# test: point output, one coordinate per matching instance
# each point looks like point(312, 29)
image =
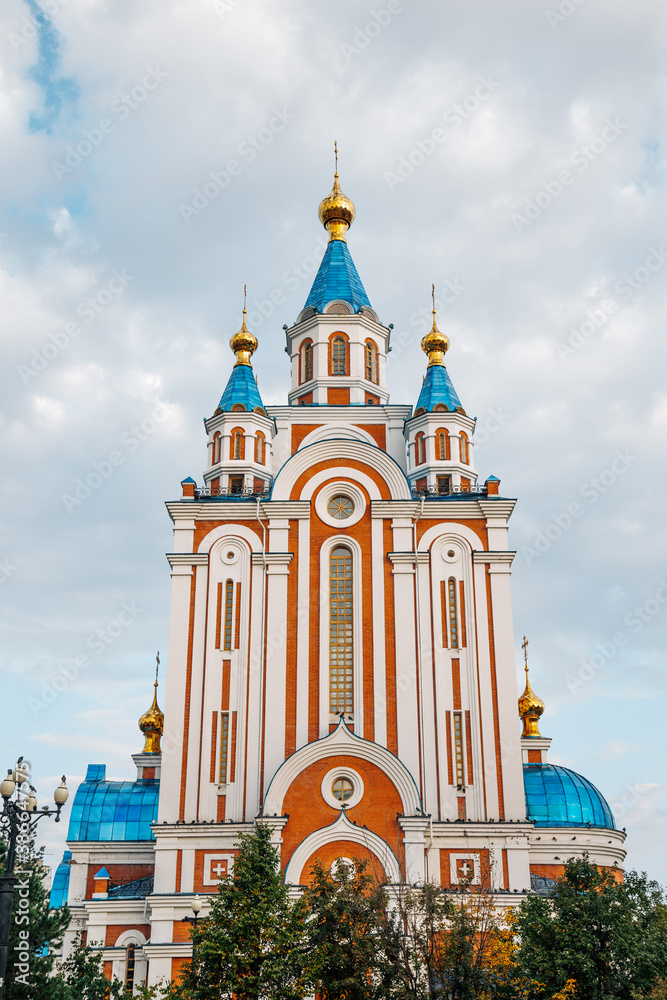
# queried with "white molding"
point(187, 558)
point(493, 558)
point(335, 488)
point(308, 459)
point(353, 777)
point(342, 742)
point(342, 829)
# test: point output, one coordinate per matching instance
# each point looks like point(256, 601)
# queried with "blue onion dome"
point(556, 796)
point(113, 810)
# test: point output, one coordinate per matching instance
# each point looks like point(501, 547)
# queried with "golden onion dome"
point(530, 706)
point(336, 211)
point(435, 344)
point(151, 723)
point(243, 343)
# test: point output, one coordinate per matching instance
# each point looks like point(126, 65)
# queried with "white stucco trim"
point(338, 451)
point(345, 743)
point(342, 829)
point(231, 530)
point(337, 430)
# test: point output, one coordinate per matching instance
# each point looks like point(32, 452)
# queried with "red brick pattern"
point(119, 875)
point(443, 611)
point(390, 642)
point(226, 681)
point(484, 865)
point(328, 854)
point(188, 694)
point(214, 745)
point(292, 641)
point(461, 807)
point(456, 683)
point(494, 691)
point(114, 931)
point(534, 756)
point(377, 431)
point(338, 397)
point(218, 617)
point(300, 431)
point(506, 871)
point(462, 611)
point(237, 629)
point(450, 763)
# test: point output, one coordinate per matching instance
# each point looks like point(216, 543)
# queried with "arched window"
point(260, 444)
point(420, 449)
point(307, 362)
point(371, 361)
point(237, 444)
point(444, 453)
point(130, 962)
point(339, 356)
point(464, 448)
point(341, 679)
point(453, 617)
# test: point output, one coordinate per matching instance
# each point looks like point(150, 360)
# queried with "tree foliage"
point(251, 945)
point(609, 937)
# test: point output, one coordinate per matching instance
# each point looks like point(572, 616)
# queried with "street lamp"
point(19, 816)
point(195, 906)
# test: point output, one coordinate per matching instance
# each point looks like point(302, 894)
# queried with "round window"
point(340, 507)
point(342, 789)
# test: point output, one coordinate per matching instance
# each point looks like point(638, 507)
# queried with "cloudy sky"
point(158, 155)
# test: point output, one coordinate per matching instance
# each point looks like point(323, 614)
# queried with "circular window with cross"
point(340, 507)
point(342, 788)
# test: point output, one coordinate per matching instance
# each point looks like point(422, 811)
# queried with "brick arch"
point(338, 455)
point(339, 833)
point(330, 852)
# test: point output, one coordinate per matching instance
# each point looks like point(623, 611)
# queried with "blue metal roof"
point(437, 388)
point(60, 884)
point(113, 810)
point(336, 279)
point(241, 388)
point(556, 796)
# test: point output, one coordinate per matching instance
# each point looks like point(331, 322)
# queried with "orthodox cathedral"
point(341, 656)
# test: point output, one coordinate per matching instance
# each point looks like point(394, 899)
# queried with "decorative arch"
point(339, 353)
point(236, 532)
point(342, 742)
point(309, 458)
point(347, 431)
point(342, 829)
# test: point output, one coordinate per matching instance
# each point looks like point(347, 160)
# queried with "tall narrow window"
point(443, 446)
point(458, 748)
point(229, 600)
point(371, 361)
point(307, 362)
point(453, 617)
point(217, 440)
point(420, 449)
point(259, 448)
point(464, 448)
point(341, 681)
point(224, 746)
point(129, 967)
point(338, 356)
point(237, 444)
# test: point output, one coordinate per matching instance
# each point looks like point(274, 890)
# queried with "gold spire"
point(243, 343)
point(435, 343)
point(151, 722)
point(530, 706)
point(336, 211)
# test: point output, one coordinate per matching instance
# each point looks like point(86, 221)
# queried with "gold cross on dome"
point(524, 646)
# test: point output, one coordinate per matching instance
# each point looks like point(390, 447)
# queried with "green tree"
point(347, 934)
point(81, 977)
point(252, 943)
point(609, 937)
point(33, 927)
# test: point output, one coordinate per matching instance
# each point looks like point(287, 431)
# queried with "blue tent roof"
point(437, 388)
point(337, 278)
point(113, 810)
point(241, 388)
point(556, 796)
point(60, 884)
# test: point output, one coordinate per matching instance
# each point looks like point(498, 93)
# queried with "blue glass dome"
point(113, 810)
point(60, 884)
point(556, 796)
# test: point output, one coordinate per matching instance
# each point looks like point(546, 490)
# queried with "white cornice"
point(308, 414)
point(497, 507)
point(495, 558)
point(187, 558)
point(401, 558)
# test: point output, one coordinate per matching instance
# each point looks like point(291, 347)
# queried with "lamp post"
point(195, 906)
point(18, 818)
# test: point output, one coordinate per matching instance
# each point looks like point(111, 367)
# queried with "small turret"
point(151, 722)
point(530, 706)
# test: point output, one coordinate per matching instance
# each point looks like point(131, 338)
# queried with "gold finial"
point(336, 211)
point(530, 706)
point(151, 722)
point(243, 343)
point(435, 343)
